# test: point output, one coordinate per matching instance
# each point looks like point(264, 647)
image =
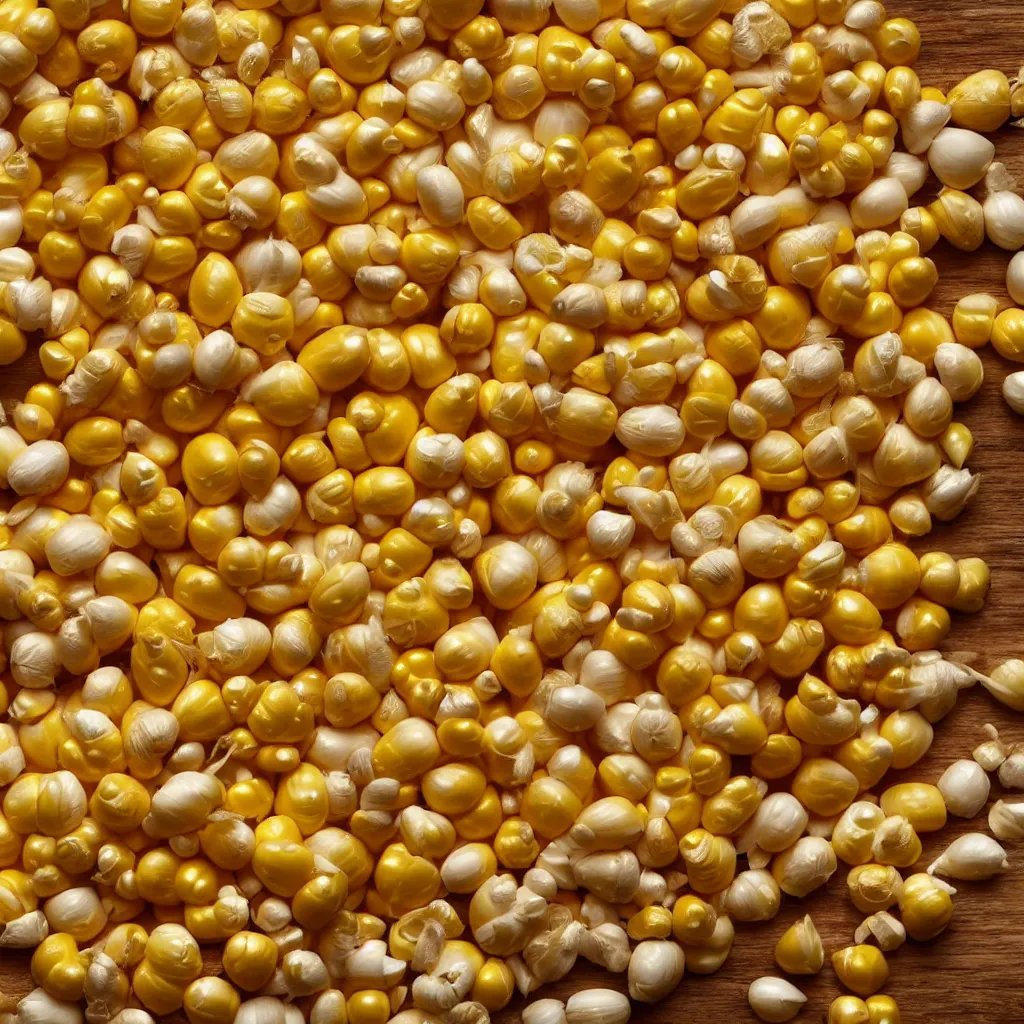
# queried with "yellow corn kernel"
point(920, 803)
point(824, 786)
point(926, 907)
point(249, 959)
point(710, 860)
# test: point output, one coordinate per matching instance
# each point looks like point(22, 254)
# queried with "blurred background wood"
point(974, 973)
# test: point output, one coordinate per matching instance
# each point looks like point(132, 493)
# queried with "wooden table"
point(974, 973)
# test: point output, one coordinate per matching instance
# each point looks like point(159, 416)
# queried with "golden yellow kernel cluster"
point(462, 527)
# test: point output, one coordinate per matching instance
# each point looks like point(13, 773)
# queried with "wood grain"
point(974, 973)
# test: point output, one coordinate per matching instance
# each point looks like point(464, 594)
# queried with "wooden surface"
point(974, 973)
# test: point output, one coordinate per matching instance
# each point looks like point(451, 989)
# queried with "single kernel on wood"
point(475, 453)
point(775, 999)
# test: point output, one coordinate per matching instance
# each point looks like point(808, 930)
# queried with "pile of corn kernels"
point(460, 527)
